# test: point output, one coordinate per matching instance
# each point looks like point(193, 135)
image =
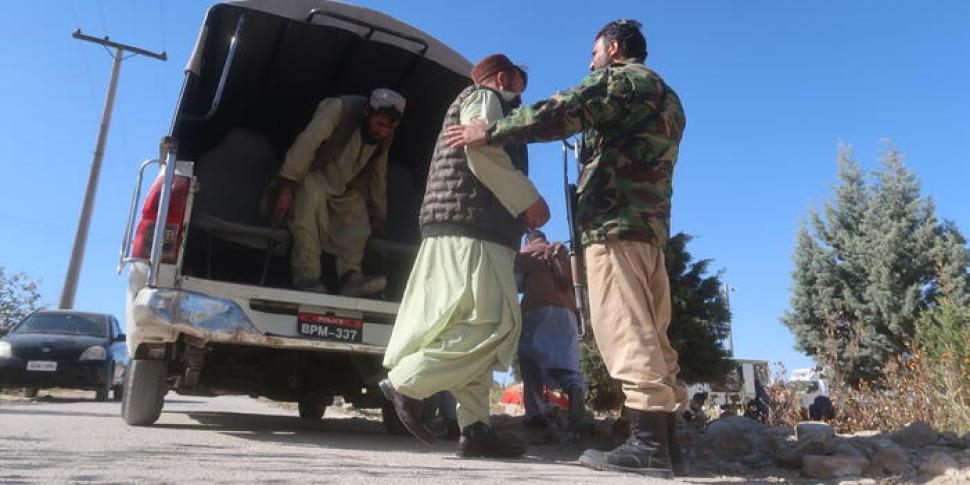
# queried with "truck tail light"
point(174, 222)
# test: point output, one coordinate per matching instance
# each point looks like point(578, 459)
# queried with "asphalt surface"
point(240, 440)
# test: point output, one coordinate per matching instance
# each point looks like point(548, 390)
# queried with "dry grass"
point(930, 382)
point(920, 387)
point(784, 404)
point(917, 388)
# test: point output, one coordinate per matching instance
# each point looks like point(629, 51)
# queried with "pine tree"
point(867, 269)
point(699, 323)
point(951, 259)
point(700, 316)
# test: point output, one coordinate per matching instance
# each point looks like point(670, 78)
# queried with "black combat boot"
point(677, 462)
point(645, 452)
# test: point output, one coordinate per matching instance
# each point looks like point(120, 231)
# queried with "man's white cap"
point(386, 98)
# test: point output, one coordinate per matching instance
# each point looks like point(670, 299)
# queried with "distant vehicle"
point(808, 385)
point(210, 305)
point(737, 388)
point(64, 348)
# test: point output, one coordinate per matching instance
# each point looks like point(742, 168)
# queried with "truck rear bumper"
point(161, 315)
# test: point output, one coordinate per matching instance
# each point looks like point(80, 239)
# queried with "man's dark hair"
point(627, 34)
point(536, 234)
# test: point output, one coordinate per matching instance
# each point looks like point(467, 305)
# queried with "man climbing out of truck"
point(459, 319)
point(332, 188)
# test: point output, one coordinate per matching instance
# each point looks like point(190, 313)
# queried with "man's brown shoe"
point(409, 411)
point(480, 440)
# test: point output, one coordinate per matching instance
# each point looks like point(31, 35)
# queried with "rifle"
point(575, 243)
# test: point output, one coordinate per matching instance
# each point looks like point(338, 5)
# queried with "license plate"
point(42, 365)
point(329, 327)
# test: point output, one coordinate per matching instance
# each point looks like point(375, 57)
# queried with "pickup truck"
point(211, 310)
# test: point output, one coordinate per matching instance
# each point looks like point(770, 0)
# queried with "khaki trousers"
point(629, 298)
point(337, 224)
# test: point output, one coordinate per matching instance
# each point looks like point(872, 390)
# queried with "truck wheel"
point(30, 392)
point(117, 392)
point(392, 423)
point(144, 392)
point(311, 409)
point(312, 405)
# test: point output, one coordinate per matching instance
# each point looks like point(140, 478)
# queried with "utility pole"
point(84, 223)
point(726, 290)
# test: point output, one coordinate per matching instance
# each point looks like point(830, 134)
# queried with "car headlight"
point(6, 350)
point(94, 353)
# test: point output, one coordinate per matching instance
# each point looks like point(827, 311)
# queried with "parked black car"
point(64, 348)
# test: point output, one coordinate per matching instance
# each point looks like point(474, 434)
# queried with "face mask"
point(513, 99)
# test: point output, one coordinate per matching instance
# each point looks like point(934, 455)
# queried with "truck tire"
point(392, 423)
point(313, 404)
point(311, 408)
point(144, 392)
point(30, 392)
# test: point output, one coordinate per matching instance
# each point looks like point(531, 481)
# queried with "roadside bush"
point(930, 382)
point(784, 407)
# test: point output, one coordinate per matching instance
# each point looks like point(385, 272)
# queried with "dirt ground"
point(555, 447)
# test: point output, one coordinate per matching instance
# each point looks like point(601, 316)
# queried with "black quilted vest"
point(456, 203)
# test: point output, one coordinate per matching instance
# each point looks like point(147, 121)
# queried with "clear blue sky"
point(770, 89)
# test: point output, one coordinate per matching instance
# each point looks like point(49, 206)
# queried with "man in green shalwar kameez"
point(459, 319)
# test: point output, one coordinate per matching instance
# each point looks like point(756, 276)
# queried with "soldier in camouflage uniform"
point(632, 124)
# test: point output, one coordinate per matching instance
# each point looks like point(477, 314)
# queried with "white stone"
point(863, 481)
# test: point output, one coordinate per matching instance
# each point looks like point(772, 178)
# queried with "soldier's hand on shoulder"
point(473, 135)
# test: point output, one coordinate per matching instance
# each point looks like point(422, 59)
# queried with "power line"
point(104, 24)
point(77, 21)
point(161, 21)
point(84, 54)
point(160, 80)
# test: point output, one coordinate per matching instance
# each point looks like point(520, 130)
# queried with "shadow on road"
point(347, 433)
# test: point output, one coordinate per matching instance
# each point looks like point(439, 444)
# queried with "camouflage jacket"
point(632, 123)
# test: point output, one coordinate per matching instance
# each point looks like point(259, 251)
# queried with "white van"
point(212, 311)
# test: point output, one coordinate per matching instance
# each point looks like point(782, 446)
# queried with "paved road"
point(241, 440)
